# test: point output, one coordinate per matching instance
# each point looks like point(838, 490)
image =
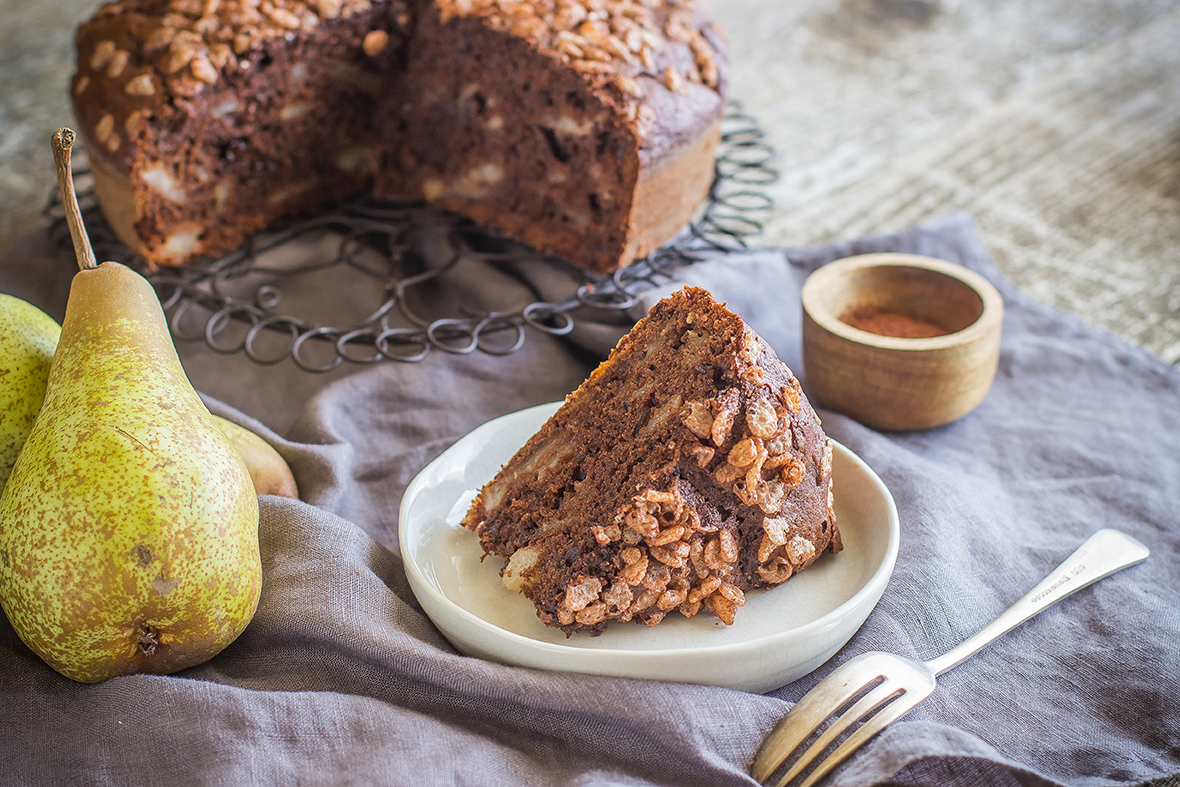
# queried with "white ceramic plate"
point(780, 634)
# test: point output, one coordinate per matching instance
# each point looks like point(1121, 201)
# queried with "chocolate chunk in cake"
point(688, 469)
point(584, 128)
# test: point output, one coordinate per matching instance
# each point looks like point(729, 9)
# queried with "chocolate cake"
point(688, 469)
point(585, 128)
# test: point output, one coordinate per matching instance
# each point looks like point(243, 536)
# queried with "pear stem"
point(63, 141)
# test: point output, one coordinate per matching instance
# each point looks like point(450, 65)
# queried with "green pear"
point(129, 525)
point(269, 471)
point(28, 337)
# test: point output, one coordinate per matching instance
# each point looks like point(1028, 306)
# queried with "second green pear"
point(129, 525)
point(28, 337)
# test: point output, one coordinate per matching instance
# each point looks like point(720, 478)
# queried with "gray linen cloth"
point(341, 679)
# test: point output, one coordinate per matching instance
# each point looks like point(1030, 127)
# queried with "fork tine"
point(891, 713)
point(879, 694)
point(809, 712)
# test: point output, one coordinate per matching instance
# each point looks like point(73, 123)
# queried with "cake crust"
point(688, 469)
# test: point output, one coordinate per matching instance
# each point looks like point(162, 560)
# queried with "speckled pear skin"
point(28, 337)
point(129, 526)
point(269, 471)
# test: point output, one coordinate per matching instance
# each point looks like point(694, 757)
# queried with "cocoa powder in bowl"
point(890, 323)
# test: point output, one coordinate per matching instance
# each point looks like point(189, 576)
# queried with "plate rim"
point(874, 585)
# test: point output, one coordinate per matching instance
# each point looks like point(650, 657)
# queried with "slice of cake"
point(686, 470)
point(586, 129)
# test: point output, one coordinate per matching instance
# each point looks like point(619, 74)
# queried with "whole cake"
point(585, 128)
point(687, 469)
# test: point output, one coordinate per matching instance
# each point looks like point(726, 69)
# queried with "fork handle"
point(1104, 553)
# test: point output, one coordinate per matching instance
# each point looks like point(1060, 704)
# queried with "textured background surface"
point(1057, 124)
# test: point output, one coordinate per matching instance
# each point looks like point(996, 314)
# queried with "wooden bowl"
point(900, 382)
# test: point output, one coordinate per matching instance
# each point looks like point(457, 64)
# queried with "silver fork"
point(875, 689)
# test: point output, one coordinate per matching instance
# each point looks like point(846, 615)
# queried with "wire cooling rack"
point(221, 302)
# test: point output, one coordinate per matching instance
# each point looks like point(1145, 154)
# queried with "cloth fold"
point(341, 678)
